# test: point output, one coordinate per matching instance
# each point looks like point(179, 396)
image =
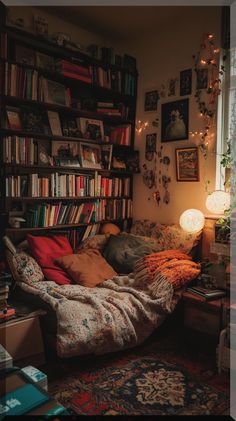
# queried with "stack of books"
point(6, 312)
point(108, 108)
point(36, 376)
point(5, 358)
point(208, 293)
point(74, 71)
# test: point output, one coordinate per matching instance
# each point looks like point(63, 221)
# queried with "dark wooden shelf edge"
point(20, 133)
point(69, 198)
point(12, 230)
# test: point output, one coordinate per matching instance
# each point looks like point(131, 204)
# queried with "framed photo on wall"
point(151, 100)
point(185, 87)
point(174, 120)
point(187, 164)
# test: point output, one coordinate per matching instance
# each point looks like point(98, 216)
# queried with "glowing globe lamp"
point(218, 201)
point(192, 220)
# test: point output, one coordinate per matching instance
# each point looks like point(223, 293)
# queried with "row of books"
point(20, 150)
point(73, 71)
point(66, 185)
point(121, 135)
point(107, 56)
point(108, 108)
point(48, 215)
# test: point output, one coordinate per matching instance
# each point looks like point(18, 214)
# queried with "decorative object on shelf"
point(40, 26)
point(148, 177)
point(218, 202)
point(187, 164)
point(151, 100)
point(34, 121)
point(192, 220)
point(174, 120)
point(92, 129)
point(209, 78)
point(172, 87)
point(71, 127)
point(13, 118)
point(44, 61)
point(65, 153)
point(185, 82)
point(141, 125)
point(16, 221)
point(54, 93)
point(24, 55)
point(54, 122)
point(90, 155)
point(43, 157)
point(106, 156)
point(150, 148)
point(60, 38)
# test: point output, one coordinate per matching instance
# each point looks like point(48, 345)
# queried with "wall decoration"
point(163, 91)
point(185, 82)
point(206, 59)
point(132, 161)
point(202, 78)
point(155, 122)
point(151, 100)
point(148, 177)
point(172, 87)
point(187, 164)
point(150, 150)
point(174, 120)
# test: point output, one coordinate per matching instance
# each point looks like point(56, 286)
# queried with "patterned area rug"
point(157, 378)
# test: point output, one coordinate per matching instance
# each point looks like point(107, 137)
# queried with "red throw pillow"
point(45, 250)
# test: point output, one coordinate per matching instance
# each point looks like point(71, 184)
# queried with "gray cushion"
point(122, 251)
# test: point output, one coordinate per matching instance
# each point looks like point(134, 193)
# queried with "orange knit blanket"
point(172, 265)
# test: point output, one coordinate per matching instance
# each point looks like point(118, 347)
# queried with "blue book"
point(22, 400)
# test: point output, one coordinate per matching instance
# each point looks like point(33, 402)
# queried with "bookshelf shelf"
point(67, 198)
point(61, 227)
point(61, 108)
point(95, 94)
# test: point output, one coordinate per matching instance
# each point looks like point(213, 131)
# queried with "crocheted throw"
point(172, 265)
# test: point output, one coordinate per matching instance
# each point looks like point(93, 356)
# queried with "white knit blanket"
point(115, 315)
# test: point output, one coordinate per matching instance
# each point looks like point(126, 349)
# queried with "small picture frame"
point(54, 93)
point(64, 149)
point(185, 87)
point(151, 100)
point(174, 120)
point(13, 118)
point(90, 155)
point(92, 129)
point(187, 164)
point(54, 123)
point(43, 157)
point(202, 78)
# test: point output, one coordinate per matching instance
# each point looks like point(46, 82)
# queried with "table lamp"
point(218, 201)
point(192, 220)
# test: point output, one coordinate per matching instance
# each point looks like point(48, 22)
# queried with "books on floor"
point(207, 293)
point(5, 358)
point(37, 376)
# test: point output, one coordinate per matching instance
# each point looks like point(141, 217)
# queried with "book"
point(5, 358)
point(25, 398)
point(207, 293)
point(86, 213)
point(36, 376)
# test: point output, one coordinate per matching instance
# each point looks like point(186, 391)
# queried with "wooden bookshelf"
point(122, 94)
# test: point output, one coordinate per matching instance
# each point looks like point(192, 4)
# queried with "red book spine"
point(86, 79)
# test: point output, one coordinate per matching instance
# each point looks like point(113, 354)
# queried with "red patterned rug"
point(157, 378)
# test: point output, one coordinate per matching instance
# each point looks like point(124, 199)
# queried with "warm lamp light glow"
point(218, 201)
point(192, 220)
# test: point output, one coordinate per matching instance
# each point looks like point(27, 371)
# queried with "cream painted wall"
point(162, 55)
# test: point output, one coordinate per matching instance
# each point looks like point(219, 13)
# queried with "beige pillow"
point(88, 268)
point(24, 268)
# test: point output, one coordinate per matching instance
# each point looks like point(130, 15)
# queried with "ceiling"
point(118, 22)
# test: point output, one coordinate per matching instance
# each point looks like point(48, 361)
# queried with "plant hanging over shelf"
point(207, 58)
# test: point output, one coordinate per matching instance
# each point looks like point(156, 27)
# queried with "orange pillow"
point(87, 268)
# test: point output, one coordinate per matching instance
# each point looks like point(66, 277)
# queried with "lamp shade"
point(192, 220)
point(218, 201)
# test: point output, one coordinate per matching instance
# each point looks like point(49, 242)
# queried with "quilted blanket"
point(117, 314)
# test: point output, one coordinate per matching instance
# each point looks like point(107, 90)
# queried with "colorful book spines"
point(48, 215)
point(19, 150)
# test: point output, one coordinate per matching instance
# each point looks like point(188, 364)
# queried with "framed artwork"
point(151, 100)
point(13, 118)
point(185, 87)
point(150, 149)
point(187, 164)
point(106, 156)
point(174, 120)
point(54, 123)
point(92, 129)
point(64, 149)
point(90, 155)
point(53, 92)
point(202, 78)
